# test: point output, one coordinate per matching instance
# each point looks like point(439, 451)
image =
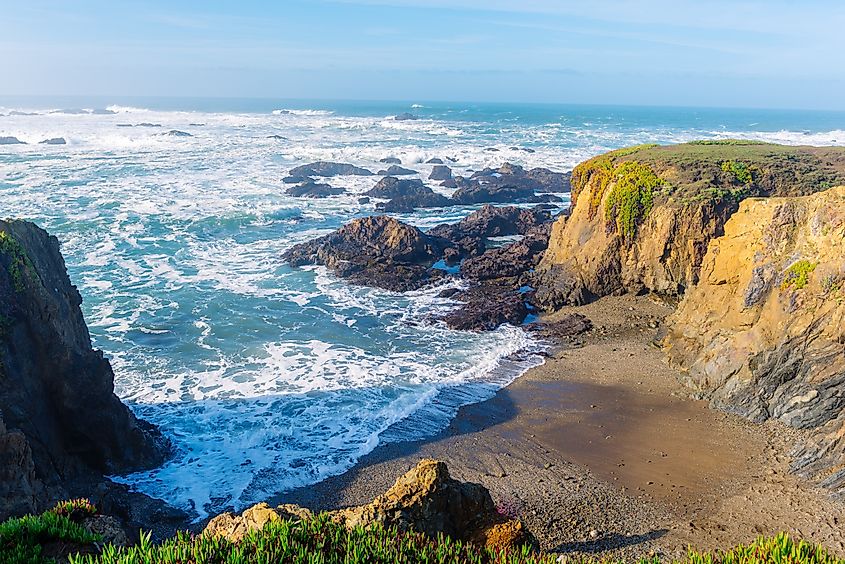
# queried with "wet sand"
point(601, 451)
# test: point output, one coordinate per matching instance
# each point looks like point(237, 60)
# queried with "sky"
point(753, 53)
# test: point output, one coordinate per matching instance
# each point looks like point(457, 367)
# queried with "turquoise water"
point(267, 377)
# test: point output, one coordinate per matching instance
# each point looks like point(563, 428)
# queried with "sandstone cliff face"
point(642, 217)
point(763, 332)
point(60, 418)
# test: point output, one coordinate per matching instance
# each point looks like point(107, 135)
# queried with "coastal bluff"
point(762, 334)
point(62, 428)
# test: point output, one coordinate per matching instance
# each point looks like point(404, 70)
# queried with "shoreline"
point(602, 461)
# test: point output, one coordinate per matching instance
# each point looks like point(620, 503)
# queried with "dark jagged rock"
point(396, 170)
point(364, 200)
point(440, 172)
point(57, 394)
point(434, 160)
point(449, 183)
point(147, 124)
point(486, 307)
point(11, 141)
point(313, 189)
point(390, 160)
point(54, 141)
point(323, 168)
point(407, 204)
point(510, 184)
point(391, 187)
point(549, 181)
point(296, 179)
point(511, 260)
point(275, 136)
point(405, 116)
point(571, 325)
point(375, 251)
point(493, 221)
point(176, 133)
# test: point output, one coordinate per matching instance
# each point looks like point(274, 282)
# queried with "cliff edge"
point(642, 217)
point(60, 420)
point(762, 334)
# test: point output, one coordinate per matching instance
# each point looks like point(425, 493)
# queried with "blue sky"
point(754, 53)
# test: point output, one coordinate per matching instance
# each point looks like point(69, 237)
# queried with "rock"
point(603, 249)
point(147, 124)
point(507, 184)
point(108, 528)
point(510, 260)
point(312, 189)
point(493, 221)
point(485, 308)
point(54, 141)
point(296, 179)
point(176, 133)
point(549, 181)
point(103, 112)
point(363, 200)
point(761, 333)
point(58, 392)
point(434, 160)
point(425, 500)
point(21, 492)
point(571, 325)
point(375, 251)
point(407, 204)
point(274, 136)
point(392, 187)
point(396, 170)
point(11, 141)
point(405, 117)
point(323, 168)
point(440, 172)
point(390, 160)
point(449, 183)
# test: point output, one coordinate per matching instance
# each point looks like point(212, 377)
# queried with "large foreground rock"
point(323, 168)
point(642, 217)
point(425, 500)
point(375, 251)
point(61, 421)
point(763, 332)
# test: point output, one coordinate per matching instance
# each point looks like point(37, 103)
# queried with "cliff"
point(762, 332)
point(642, 217)
point(60, 421)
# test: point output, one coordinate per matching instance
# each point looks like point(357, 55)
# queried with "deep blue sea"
point(267, 377)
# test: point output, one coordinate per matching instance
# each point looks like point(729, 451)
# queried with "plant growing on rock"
point(798, 275)
point(19, 262)
point(75, 509)
point(631, 197)
point(740, 171)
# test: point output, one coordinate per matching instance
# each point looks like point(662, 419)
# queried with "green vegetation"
point(798, 275)
point(34, 540)
point(631, 196)
point(734, 142)
point(19, 263)
point(740, 171)
point(22, 540)
point(602, 166)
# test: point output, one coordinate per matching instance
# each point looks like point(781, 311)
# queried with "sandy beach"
point(602, 451)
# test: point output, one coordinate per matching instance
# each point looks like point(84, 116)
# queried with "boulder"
point(396, 170)
point(375, 251)
point(11, 141)
point(392, 187)
point(311, 189)
point(58, 392)
point(434, 160)
point(425, 500)
point(323, 168)
point(54, 141)
point(390, 160)
point(440, 172)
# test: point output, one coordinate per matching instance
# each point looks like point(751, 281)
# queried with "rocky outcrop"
point(396, 170)
point(485, 307)
point(311, 189)
point(642, 217)
point(510, 260)
point(405, 117)
point(62, 422)
point(11, 141)
point(54, 141)
point(509, 183)
point(425, 500)
point(411, 202)
point(375, 251)
point(762, 332)
point(327, 169)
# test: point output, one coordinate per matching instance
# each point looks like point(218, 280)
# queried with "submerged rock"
point(405, 117)
point(53, 141)
point(62, 422)
point(425, 500)
point(375, 251)
point(176, 133)
point(313, 189)
point(323, 168)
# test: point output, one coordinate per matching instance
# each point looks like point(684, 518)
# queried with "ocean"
point(267, 377)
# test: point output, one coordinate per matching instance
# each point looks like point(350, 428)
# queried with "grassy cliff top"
point(718, 170)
